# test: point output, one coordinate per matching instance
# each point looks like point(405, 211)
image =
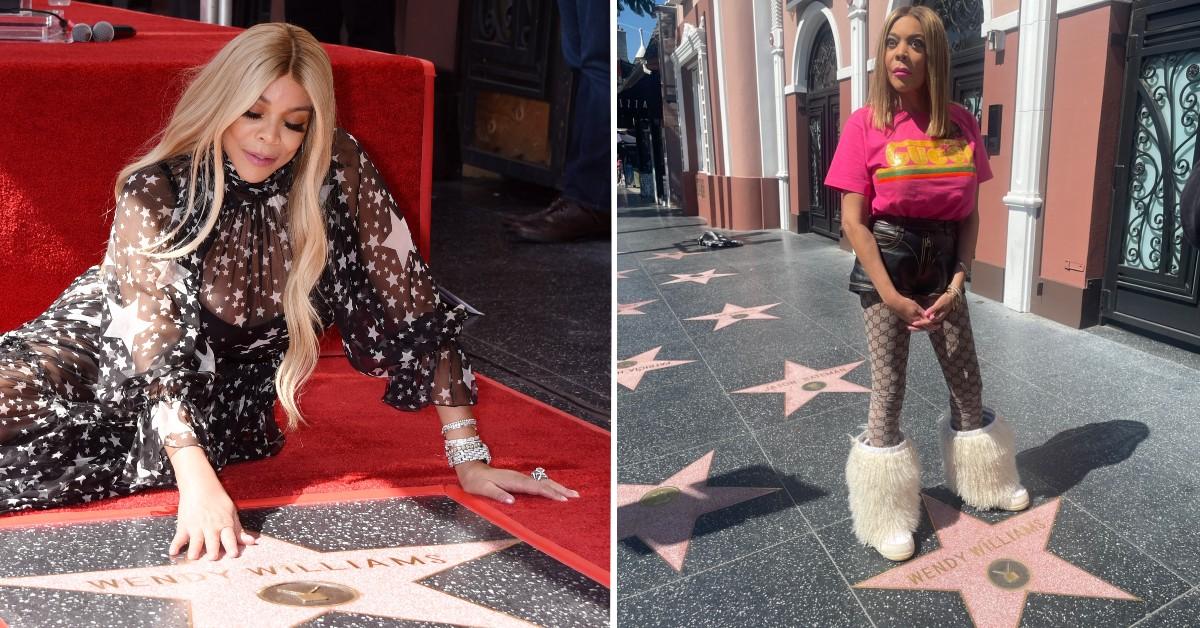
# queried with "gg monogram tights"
point(888, 337)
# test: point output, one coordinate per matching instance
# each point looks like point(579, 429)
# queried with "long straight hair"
point(217, 94)
point(885, 101)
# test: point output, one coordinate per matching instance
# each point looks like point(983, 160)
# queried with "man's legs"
point(584, 207)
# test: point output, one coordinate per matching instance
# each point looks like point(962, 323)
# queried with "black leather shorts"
point(920, 255)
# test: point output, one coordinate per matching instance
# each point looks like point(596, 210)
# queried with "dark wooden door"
point(516, 89)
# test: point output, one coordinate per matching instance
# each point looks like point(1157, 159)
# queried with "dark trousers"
point(587, 174)
point(370, 24)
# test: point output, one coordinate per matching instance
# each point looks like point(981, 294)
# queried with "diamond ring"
point(539, 474)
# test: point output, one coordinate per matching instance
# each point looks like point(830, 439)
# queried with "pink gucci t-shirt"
point(904, 172)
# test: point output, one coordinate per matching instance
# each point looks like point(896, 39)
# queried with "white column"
point(691, 49)
point(764, 84)
point(721, 87)
point(858, 53)
point(1030, 134)
point(781, 146)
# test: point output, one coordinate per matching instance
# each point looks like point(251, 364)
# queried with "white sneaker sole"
point(897, 551)
point(1019, 501)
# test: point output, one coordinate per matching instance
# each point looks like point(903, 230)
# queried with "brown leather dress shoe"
point(565, 220)
point(511, 220)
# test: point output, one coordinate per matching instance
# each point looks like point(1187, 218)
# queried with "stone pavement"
point(547, 324)
point(741, 374)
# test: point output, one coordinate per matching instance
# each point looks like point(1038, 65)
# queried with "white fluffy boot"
point(885, 496)
point(981, 464)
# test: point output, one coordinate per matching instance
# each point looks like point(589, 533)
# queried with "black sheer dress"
point(139, 352)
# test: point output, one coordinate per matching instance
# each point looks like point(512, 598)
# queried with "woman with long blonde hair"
point(909, 165)
point(251, 225)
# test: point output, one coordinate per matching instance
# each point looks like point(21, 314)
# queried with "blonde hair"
point(884, 101)
point(220, 92)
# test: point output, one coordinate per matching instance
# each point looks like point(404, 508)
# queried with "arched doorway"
point(820, 109)
point(964, 23)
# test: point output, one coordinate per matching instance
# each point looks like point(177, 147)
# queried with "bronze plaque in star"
point(1008, 574)
point(659, 496)
point(308, 593)
point(811, 386)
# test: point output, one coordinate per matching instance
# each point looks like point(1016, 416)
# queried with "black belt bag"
point(920, 255)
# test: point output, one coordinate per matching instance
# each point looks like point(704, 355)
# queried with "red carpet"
point(356, 443)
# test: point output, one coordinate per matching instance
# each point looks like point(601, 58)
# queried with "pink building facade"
point(1089, 109)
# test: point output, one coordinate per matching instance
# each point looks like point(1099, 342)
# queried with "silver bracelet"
point(460, 450)
point(457, 424)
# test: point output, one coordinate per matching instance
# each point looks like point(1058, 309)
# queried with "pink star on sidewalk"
point(734, 313)
point(678, 255)
point(994, 566)
point(663, 515)
point(800, 384)
point(631, 370)
point(621, 273)
point(632, 308)
point(703, 277)
point(385, 582)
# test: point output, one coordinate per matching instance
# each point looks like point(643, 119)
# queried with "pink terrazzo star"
point(621, 273)
point(678, 255)
point(627, 309)
point(800, 384)
point(734, 313)
point(703, 277)
point(663, 515)
point(994, 566)
point(225, 592)
point(631, 370)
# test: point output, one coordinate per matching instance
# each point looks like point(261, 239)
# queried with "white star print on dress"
point(399, 239)
point(125, 323)
point(142, 352)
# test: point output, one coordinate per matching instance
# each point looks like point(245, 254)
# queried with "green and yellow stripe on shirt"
point(927, 159)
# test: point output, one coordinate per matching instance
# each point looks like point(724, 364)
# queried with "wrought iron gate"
point(824, 123)
point(963, 20)
point(1150, 281)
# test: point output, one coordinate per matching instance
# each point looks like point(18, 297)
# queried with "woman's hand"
point(911, 313)
point(478, 478)
point(206, 522)
point(941, 308)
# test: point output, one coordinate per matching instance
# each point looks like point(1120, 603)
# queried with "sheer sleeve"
point(394, 321)
point(153, 364)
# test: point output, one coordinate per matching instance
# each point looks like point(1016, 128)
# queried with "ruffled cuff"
point(171, 421)
point(164, 421)
point(442, 378)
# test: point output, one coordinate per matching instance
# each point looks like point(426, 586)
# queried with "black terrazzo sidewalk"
point(1106, 426)
point(547, 324)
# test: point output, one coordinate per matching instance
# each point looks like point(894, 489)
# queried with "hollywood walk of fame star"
point(734, 313)
point(678, 255)
point(994, 566)
point(399, 239)
point(225, 592)
point(702, 278)
point(626, 309)
point(800, 384)
point(125, 323)
point(663, 515)
point(621, 273)
point(631, 370)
